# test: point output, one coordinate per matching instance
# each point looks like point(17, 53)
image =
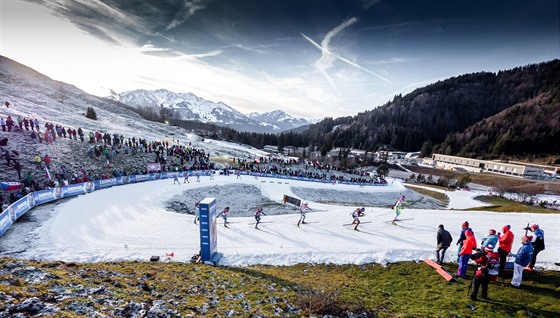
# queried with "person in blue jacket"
point(538, 244)
point(522, 259)
point(490, 240)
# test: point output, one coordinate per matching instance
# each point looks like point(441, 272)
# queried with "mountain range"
point(189, 107)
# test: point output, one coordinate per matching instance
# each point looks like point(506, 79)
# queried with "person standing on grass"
point(505, 241)
point(538, 244)
point(481, 276)
point(522, 259)
point(491, 239)
point(469, 244)
point(444, 240)
point(462, 238)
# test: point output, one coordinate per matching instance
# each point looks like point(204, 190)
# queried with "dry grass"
point(495, 180)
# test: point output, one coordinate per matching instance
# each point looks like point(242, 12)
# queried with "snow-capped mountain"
point(279, 119)
point(187, 106)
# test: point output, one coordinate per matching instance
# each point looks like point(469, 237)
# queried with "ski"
point(404, 219)
point(395, 224)
point(355, 223)
point(260, 222)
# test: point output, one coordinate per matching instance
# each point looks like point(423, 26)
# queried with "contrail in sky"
point(327, 57)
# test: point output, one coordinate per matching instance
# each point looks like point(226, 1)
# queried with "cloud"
point(188, 10)
point(327, 59)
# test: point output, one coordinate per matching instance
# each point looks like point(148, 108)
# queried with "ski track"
point(131, 223)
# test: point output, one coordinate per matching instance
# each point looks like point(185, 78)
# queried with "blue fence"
point(20, 207)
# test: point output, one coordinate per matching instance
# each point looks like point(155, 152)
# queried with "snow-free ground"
point(135, 222)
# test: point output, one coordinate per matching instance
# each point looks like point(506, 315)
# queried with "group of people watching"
point(492, 255)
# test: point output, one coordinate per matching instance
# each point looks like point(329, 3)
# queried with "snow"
point(132, 223)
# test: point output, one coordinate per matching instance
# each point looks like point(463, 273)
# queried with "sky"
point(309, 58)
point(98, 227)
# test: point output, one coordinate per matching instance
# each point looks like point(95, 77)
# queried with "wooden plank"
point(440, 270)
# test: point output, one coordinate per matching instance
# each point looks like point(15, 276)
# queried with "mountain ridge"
point(188, 106)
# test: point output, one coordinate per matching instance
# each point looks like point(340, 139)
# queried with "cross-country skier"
point(176, 179)
point(224, 215)
point(361, 211)
point(356, 217)
point(302, 208)
point(258, 216)
point(196, 211)
point(398, 208)
point(186, 175)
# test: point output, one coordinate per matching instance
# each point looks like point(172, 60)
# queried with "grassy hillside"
point(158, 289)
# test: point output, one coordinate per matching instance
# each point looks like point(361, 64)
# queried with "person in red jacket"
point(505, 241)
point(469, 244)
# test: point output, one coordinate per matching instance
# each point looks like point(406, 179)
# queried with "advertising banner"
point(208, 230)
point(18, 208)
point(5, 222)
point(105, 183)
point(43, 196)
point(73, 189)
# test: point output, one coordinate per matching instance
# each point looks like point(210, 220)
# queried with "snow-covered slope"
point(36, 96)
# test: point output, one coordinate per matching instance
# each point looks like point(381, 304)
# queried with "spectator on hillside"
point(522, 259)
point(8, 158)
point(462, 237)
point(3, 124)
point(505, 241)
point(17, 167)
point(47, 161)
point(491, 239)
point(538, 244)
point(444, 240)
point(9, 123)
point(20, 122)
point(469, 244)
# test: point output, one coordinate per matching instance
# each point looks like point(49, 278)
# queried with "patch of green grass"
point(406, 289)
point(505, 205)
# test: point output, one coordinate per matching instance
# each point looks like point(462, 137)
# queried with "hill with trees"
point(449, 115)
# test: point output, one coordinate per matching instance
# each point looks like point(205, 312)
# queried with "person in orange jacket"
point(469, 244)
point(505, 241)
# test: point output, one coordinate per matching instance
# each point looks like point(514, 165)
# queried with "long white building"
point(516, 169)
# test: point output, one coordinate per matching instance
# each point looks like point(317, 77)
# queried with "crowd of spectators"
point(306, 169)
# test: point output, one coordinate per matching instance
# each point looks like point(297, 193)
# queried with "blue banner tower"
point(208, 232)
